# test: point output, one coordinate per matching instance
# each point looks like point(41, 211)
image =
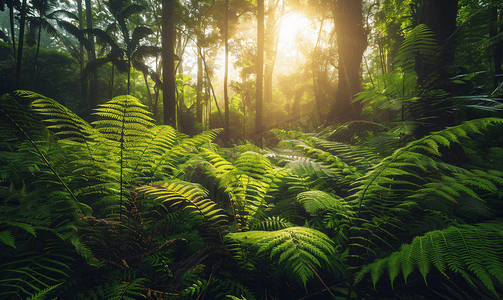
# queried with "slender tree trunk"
point(149, 94)
point(156, 102)
point(128, 74)
point(22, 22)
point(93, 89)
point(440, 17)
point(207, 101)
point(498, 48)
point(112, 81)
point(314, 64)
point(34, 74)
point(351, 43)
point(11, 20)
point(270, 46)
point(199, 85)
point(83, 81)
point(226, 73)
point(168, 63)
point(179, 51)
point(260, 73)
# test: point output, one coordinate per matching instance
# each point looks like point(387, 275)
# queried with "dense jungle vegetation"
point(363, 161)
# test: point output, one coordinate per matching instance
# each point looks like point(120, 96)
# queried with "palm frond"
point(139, 33)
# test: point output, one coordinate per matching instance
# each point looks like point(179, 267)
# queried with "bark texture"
point(351, 43)
point(168, 63)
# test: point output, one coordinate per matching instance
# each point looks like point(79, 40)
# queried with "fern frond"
point(227, 287)
point(17, 118)
point(419, 41)
point(117, 290)
point(272, 223)
point(468, 249)
point(406, 163)
point(317, 201)
point(18, 123)
point(42, 295)
point(64, 122)
point(246, 182)
point(7, 238)
point(298, 251)
point(189, 197)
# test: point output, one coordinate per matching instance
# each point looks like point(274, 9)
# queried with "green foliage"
point(116, 290)
point(247, 182)
point(464, 249)
point(316, 201)
point(420, 41)
point(226, 288)
point(201, 220)
point(298, 251)
point(189, 197)
point(42, 295)
point(405, 168)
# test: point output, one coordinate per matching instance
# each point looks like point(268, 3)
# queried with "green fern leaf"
point(42, 295)
point(7, 238)
point(298, 251)
point(189, 197)
point(468, 248)
point(316, 201)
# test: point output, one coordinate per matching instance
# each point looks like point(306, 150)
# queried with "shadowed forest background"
point(235, 149)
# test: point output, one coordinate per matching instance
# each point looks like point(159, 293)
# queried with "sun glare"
point(292, 25)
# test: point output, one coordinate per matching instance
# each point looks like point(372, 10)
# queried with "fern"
point(467, 249)
point(226, 288)
point(116, 290)
point(63, 121)
point(43, 293)
point(18, 119)
point(196, 288)
point(298, 251)
point(316, 201)
point(405, 165)
point(272, 223)
point(419, 41)
point(247, 182)
point(189, 197)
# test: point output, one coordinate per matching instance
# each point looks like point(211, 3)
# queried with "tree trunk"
point(22, 22)
point(260, 74)
point(433, 113)
point(168, 63)
point(10, 4)
point(199, 85)
point(149, 94)
point(498, 48)
point(270, 46)
point(317, 93)
point(83, 81)
point(179, 51)
point(34, 75)
point(351, 43)
point(112, 77)
point(93, 89)
point(226, 73)
point(440, 16)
